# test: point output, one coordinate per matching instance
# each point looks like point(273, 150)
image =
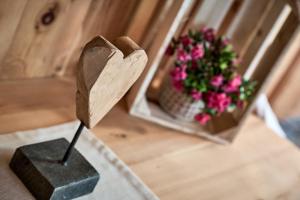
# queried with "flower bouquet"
point(204, 81)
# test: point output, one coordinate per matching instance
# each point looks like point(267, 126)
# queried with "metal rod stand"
point(71, 146)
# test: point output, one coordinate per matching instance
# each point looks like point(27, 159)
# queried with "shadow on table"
point(10, 186)
point(291, 127)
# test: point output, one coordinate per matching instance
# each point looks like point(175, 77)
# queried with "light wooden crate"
point(265, 33)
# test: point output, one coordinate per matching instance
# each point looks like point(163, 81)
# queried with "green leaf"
point(231, 108)
point(227, 48)
point(211, 111)
point(242, 89)
point(202, 87)
point(242, 96)
point(223, 65)
point(194, 84)
point(187, 82)
point(191, 34)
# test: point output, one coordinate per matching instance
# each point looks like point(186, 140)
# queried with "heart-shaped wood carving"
point(105, 73)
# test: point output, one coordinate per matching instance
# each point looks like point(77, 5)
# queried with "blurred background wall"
point(44, 38)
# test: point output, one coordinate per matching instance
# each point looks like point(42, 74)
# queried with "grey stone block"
point(39, 168)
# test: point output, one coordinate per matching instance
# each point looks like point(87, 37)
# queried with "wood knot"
point(47, 16)
point(120, 135)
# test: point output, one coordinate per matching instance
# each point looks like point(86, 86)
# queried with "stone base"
point(39, 168)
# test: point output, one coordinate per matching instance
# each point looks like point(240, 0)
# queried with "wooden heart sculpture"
point(105, 73)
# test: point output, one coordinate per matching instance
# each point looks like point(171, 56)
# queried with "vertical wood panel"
point(246, 23)
point(141, 19)
point(69, 35)
point(267, 65)
point(160, 15)
point(31, 48)
point(109, 18)
point(264, 36)
point(262, 30)
point(285, 64)
point(285, 101)
point(212, 13)
point(45, 34)
point(14, 63)
point(10, 15)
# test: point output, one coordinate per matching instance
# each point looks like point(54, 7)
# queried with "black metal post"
point(71, 146)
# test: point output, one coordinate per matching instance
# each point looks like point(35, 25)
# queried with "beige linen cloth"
point(117, 181)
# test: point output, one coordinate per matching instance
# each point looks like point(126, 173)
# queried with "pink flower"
point(236, 81)
point(240, 104)
point(225, 42)
point(183, 56)
point(208, 34)
point(203, 29)
point(197, 52)
point(229, 88)
point(236, 61)
point(202, 118)
point(233, 85)
point(186, 40)
point(179, 73)
point(218, 101)
point(196, 94)
point(169, 51)
point(178, 85)
point(217, 80)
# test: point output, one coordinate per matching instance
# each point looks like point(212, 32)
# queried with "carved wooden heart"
point(104, 76)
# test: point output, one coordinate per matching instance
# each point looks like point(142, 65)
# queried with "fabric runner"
point(117, 181)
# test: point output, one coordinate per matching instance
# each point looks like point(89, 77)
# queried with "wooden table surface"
point(258, 165)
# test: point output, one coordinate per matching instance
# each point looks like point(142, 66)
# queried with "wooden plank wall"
point(284, 97)
point(43, 38)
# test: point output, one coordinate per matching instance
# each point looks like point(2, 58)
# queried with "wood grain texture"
point(295, 4)
point(105, 73)
point(10, 18)
point(268, 64)
point(139, 25)
point(211, 13)
point(44, 38)
point(108, 18)
point(285, 99)
point(258, 165)
point(43, 102)
point(244, 28)
point(285, 64)
point(265, 29)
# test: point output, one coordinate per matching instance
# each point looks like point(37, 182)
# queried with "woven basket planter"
point(178, 104)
